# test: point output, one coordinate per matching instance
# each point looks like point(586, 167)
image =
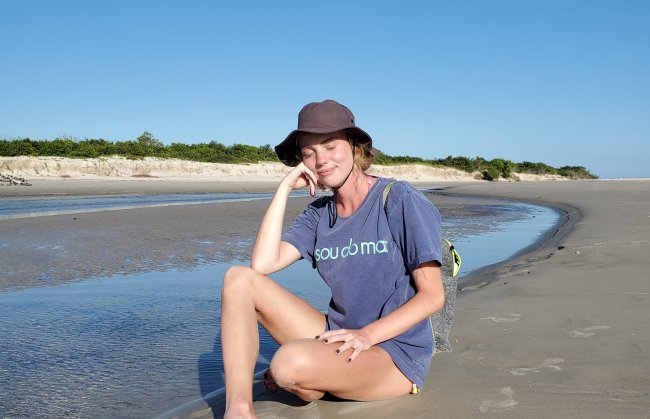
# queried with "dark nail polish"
point(317, 337)
point(349, 360)
point(325, 340)
point(338, 351)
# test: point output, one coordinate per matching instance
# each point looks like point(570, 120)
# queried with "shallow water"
point(139, 345)
point(488, 239)
point(30, 207)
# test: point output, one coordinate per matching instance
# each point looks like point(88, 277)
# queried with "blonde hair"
point(363, 157)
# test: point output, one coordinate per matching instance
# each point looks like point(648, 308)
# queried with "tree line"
point(214, 152)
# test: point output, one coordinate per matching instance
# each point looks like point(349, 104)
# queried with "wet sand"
point(560, 331)
point(55, 249)
point(129, 185)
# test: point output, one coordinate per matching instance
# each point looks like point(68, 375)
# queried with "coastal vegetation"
point(146, 145)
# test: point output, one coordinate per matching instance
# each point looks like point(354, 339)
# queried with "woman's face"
point(329, 156)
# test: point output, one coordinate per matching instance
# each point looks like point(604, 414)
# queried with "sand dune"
point(119, 167)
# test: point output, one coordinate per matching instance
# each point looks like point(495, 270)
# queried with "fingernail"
point(338, 351)
point(317, 337)
point(349, 360)
point(325, 340)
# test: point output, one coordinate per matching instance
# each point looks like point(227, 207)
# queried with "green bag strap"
point(386, 191)
point(455, 256)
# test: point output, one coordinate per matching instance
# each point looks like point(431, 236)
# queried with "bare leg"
point(246, 298)
point(309, 368)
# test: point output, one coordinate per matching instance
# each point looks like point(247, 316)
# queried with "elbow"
point(437, 303)
point(259, 267)
point(265, 267)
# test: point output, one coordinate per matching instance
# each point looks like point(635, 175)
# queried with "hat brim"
point(287, 150)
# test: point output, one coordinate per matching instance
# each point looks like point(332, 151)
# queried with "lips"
point(325, 172)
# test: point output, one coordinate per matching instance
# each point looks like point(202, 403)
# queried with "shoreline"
point(558, 330)
point(569, 215)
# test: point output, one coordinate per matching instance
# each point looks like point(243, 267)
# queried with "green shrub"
point(491, 173)
point(146, 145)
point(22, 147)
point(576, 172)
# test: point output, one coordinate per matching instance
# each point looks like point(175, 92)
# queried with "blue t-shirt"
point(367, 259)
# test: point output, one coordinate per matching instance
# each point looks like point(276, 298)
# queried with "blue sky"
point(560, 82)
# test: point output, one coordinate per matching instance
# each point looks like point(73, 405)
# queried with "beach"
point(560, 330)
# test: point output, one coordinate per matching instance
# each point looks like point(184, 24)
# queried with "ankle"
point(241, 409)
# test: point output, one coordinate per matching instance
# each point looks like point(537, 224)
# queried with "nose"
point(321, 158)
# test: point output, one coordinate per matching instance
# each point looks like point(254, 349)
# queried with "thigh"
point(284, 315)
point(371, 376)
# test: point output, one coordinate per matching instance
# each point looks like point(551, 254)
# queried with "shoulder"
point(405, 198)
point(402, 187)
point(400, 190)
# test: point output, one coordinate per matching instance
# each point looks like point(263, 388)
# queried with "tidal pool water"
point(140, 345)
point(39, 206)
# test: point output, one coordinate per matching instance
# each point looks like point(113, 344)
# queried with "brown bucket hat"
point(321, 118)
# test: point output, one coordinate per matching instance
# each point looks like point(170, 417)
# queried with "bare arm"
point(270, 253)
point(429, 298)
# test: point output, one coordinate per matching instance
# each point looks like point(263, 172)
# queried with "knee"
point(290, 367)
point(284, 366)
point(237, 279)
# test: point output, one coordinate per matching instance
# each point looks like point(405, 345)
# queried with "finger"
point(309, 178)
point(308, 182)
point(334, 332)
point(312, 189)
point(330, 334)
point(337, 338)
point(308, 172)
point(343, 348)
point(353, 355)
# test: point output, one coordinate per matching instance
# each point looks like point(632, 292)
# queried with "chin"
point(327, 184)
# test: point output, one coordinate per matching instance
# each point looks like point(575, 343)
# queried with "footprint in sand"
point(515, 317)
point(550, 363)
point(500, 406)
point(585, 333)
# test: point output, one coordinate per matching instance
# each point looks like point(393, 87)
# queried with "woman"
point(381, 262)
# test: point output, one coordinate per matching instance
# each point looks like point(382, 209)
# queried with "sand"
point(561, 331)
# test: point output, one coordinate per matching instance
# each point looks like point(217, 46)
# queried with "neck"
point(351, 194)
